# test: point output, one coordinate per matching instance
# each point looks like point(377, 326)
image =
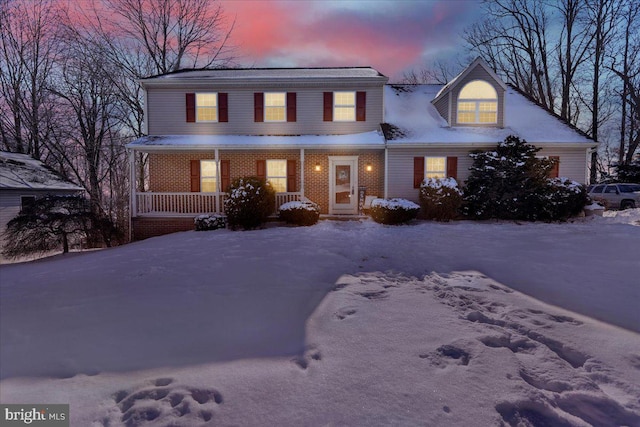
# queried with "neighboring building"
point(324, 134)
point(22, 180)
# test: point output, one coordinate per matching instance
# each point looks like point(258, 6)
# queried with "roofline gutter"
point(391, 144)
point(180, 148)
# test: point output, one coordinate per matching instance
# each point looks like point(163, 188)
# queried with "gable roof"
point(478, 62)
point(23, 172)
point(415, 120)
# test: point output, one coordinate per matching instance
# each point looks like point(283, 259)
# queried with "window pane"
point(207, 114)
point(435, 167)
point(466, 117)
point(208, 168)
point(274, 99)
point(207, 99)
point(279, 184)
point(208, 185)
point(487, 117)
point(274, 114)
point(467, 106)
point(487, 106)
point(344, 114)
point(344, 98)
point(478, 89)
point(276, 168)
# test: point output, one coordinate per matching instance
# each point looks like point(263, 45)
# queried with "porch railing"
point(188, 204)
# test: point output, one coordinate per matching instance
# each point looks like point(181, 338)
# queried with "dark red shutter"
point(452, 167)
point(328, 107)
point(223, 107)
point(225, 175)
point(555, 172)
point(261, 169)
point(361, 106)
point(258, 107)
point(418, 171)
point(195, 176)
point(291, 106)
point(191, 107)
point(291, 175)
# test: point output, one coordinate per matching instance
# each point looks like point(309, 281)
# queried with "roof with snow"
point(373, 139)
point(412, 119)
point(21, 171)
point(267, 73)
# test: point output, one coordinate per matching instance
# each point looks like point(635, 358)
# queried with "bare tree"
point(438, 71)
point(28, 50)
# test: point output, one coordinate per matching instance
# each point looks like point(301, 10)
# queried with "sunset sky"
point(391, 36)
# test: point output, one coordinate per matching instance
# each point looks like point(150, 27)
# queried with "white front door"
point(343, 185)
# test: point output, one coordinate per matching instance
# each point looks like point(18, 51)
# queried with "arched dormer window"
point(478, 103)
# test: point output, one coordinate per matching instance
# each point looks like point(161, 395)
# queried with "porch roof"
point(367, 140)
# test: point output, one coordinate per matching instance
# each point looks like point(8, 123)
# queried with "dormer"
point(475, 97)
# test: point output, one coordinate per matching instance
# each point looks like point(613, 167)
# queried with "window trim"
point(217, 107)
point(477, 102)
point(264, 107)
point(216, 176)
point(354, 106)
point(285, 176)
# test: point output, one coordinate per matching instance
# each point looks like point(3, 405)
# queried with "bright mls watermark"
point(34, 415)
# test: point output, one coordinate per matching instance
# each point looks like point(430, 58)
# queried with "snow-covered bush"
point(440, 198)
point(507, 182)
point(300, 213)
point(249, 203)
point(562, 199)
point(393, 211)
point(209, 222)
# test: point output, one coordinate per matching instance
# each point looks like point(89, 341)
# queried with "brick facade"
point(171, 172)
point(143, 228)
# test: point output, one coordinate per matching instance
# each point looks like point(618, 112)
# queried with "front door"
point(343, 185)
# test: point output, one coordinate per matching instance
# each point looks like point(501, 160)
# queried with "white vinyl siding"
point(164, 103)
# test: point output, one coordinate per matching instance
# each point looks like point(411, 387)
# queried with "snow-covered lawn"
point(342, 323)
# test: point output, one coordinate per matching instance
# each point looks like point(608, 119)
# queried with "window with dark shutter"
point(361, 106)
point(291, 175)
point(291, 106)
point(258, 107)
point(195, 176)
point(191, 107)
point(418, 171)
point(223, 107)
point(328, 107)
point(452, 167)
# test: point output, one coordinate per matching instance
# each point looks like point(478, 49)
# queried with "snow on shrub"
point(393, 211)
point(440, 198)
point(249, 202)
point(300, 213)
point(562, 199)
point(209, 222)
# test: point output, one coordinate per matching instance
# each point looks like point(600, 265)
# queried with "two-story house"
point(323, 133)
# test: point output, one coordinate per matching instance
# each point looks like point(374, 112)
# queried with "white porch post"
point(217, 159)
point(302, 173)
point(386, 172)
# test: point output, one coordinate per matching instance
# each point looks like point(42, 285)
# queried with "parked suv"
point(616, 196)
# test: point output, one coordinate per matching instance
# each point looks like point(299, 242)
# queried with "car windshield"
point(629, 188)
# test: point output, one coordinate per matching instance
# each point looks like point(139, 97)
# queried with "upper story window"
point(478, 103)
point(344, 106)
point(206, 107)
point(277, 174)
point(208, 176)
point(275, 106)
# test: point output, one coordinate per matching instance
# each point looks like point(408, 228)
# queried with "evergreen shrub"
point(300, 213)
point(440, 198)
point(393, 211)
point(209, 222)
point(249, 203)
